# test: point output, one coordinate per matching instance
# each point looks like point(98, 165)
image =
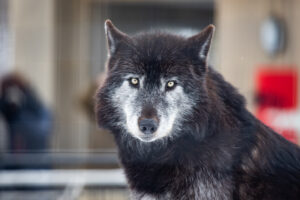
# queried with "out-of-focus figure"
point(28, 121)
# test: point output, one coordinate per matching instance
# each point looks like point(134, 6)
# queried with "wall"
point(71, 74)
point(49, 40)
point(238, 44)
point(31, 25)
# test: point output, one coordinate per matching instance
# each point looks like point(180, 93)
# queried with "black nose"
point(148, 126)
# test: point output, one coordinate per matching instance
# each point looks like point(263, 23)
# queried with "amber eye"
point(170, 84)
point(134, 81)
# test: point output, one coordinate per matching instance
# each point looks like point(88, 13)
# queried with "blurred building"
point(60, 46)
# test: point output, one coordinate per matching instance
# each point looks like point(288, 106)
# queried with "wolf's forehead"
point(153, 70)
point(148, 66)
point(155, 56)
point(159, 47)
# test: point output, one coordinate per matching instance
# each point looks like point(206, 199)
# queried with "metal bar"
point(62, 178)
point(62, 159)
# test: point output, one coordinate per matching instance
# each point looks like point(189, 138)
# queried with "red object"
point(276, 88)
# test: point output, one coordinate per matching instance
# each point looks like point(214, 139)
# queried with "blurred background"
point(52, 55)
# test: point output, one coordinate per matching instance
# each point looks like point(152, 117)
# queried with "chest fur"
point(200, 185)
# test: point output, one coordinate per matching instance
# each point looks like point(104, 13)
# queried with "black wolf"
point(182, 131)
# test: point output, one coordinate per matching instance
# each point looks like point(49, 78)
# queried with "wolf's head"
point(155, 83)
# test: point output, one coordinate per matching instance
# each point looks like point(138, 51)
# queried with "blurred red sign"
point(276, 88)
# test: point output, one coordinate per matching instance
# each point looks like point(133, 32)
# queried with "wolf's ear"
point(201, 42)
point(114, 36)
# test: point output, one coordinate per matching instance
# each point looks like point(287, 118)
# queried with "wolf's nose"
point(148, 126)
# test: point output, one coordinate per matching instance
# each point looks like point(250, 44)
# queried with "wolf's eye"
point(170, 84)
point(134, 81)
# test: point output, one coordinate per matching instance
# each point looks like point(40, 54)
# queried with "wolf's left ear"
point(202, 41)
point(114, 36)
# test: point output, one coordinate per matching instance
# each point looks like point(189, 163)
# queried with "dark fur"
point(220, 141)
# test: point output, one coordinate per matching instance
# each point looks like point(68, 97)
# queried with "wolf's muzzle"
point(148, 126)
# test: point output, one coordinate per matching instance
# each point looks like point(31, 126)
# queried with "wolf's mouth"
point(147, 138)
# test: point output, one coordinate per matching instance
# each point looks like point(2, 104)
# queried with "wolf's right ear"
point(114, 36)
